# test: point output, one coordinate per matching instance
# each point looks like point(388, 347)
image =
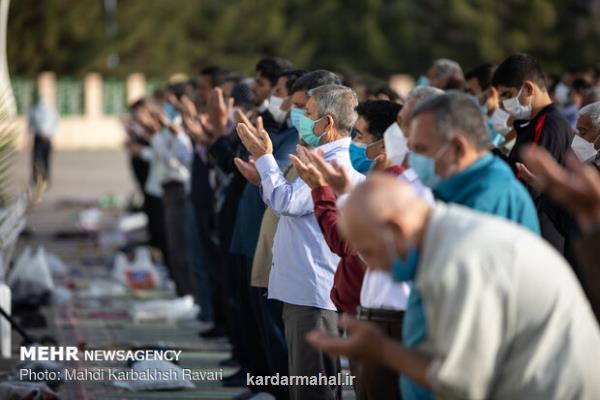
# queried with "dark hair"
point(292, 76)
point(215, 73)
point(382, 89)
point(234, 77)
point(272, 67)
point(456, 112)
point(580, 85)
point(314, 79)
point(517, 69)
point(483, 73)
point(379, 114)
point(137, 104)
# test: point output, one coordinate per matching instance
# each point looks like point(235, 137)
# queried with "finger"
point(262, 133)
point(328, 343)
point(219, 96)
point(230, 104)
point(298, 164)
point(322, 165)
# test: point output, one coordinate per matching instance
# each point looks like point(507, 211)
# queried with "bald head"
point(382, 218)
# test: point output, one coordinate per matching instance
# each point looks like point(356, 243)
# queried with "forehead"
point(473, 86)
point(507, 91)
point(421, 131)
point(300, 98)
point(261, 79)
point(282, 81)
point(584, 120)
point(362, 125)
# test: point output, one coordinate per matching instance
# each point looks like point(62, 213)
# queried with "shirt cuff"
point(323, 193)
point(266, 163)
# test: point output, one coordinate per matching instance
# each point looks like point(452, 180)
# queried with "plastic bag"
point(141, 274)
point(32, 269)
point(178, 309)
point(167, 376)
point(103, 288)
point(90, 219)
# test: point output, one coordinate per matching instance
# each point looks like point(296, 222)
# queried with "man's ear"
point(460, 143)
point(529, 88)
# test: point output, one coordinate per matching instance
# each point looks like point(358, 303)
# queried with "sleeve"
point(181, 150)
point(288, 199)
point(326, 214)
point(224, 150)
point(466, 319)
point(556, 138)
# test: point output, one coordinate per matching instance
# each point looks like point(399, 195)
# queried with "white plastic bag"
point(33, 269)
point(178, 309)
point(167, 376)
point(141, 274)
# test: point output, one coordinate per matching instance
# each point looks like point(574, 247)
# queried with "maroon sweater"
point(350, 272)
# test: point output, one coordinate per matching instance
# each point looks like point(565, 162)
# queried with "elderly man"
point(587, 141)
point(445, 74)
point(303, 265)
point(496, 330)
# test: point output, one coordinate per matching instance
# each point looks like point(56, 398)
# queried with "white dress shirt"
point(378, 289)
point(303, 266)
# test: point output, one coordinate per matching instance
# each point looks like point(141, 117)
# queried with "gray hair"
point(446, 68)
point(339, 102)
point(422, 94)
point(456, 113)
point(593, 110)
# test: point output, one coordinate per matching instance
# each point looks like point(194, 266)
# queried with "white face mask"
point(395, 143)
point(500, 121)
point(275, 109)
point(516, 109)
point(583, 149)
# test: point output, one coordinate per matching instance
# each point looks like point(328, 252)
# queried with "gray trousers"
point(305, 360)
point(180, 265)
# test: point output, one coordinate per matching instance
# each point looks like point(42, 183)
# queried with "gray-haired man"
point(303, 265)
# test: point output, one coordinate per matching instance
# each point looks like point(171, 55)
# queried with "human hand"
point(335, 175)
point(248, 170)
point(196, 130)
point(529, 177)
point(577, 188)
point(219, 111)
point(255, 139)
point(308, 173)
point(188, 107)
point(363, 342)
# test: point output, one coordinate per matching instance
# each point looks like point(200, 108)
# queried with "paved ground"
point(104, 323)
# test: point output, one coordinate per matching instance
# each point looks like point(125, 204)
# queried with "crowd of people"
point(446, 243)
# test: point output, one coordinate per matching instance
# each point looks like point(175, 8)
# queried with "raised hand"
point(335, 175)
point(219, 111)
point(308, 173)
point(255, 139)
point(248, 170)
point(188, 107)
point(196, 130)
point(576, 188)
point(363, 341)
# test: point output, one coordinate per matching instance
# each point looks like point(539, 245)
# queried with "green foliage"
point(374, 37)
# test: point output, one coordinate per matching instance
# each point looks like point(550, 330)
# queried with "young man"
point(521, 84)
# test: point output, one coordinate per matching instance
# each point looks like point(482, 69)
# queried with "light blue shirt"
point(303, 266)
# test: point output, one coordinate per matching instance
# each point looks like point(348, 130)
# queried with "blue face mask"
point(424, 167)
point(422, 81)
point(306, 128)
point(358, 158)
point(295, 114)
point(406, 270)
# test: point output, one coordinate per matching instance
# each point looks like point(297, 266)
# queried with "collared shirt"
point(506, 316)
point(303, 265)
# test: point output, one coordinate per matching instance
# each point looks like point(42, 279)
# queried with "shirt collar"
point(336, 145)
point(451, 187)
